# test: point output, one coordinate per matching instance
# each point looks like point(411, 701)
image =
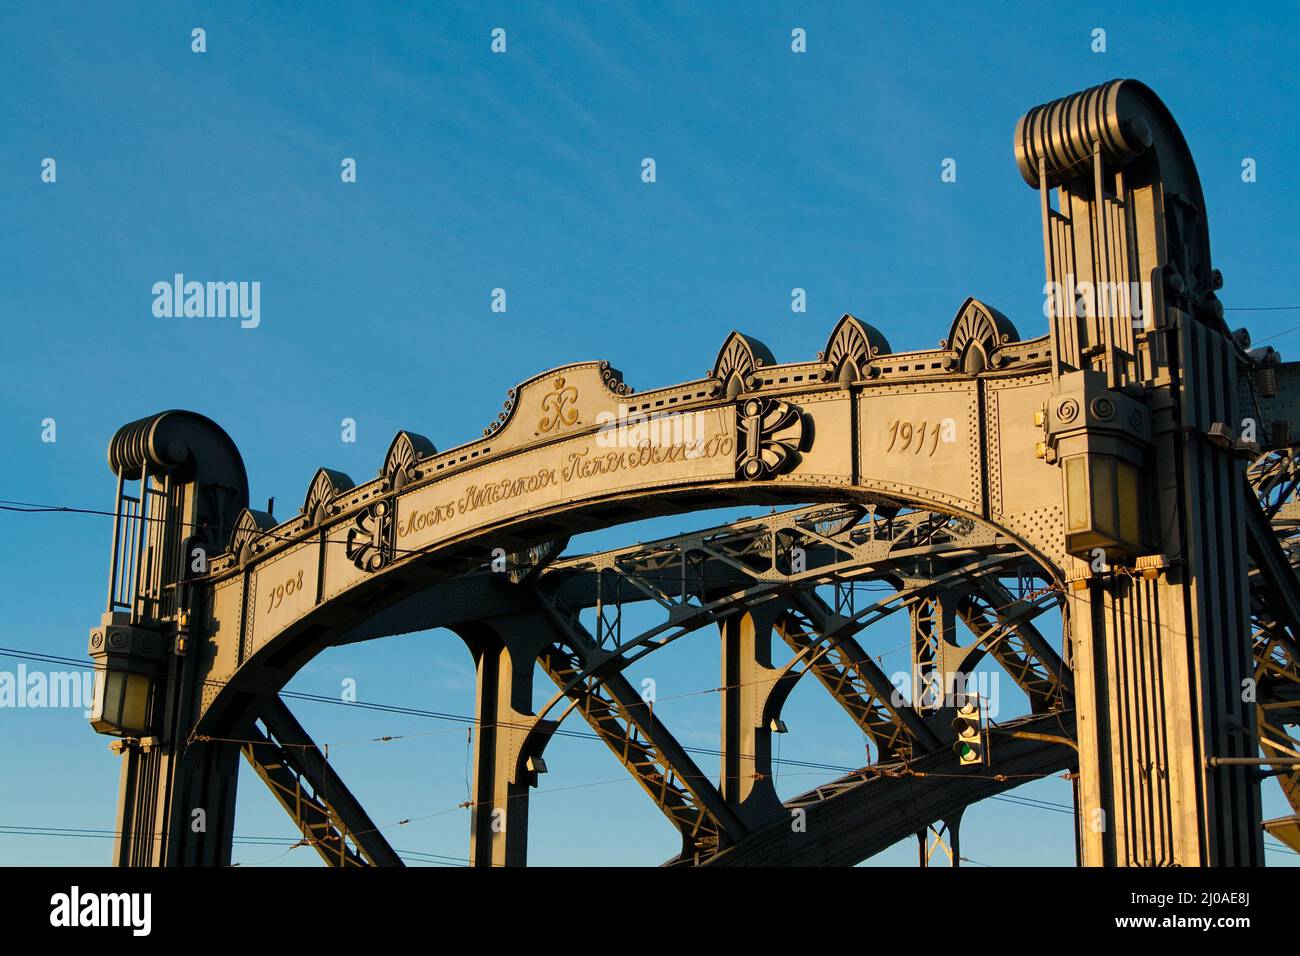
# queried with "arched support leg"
point(505, 654)
point(748, 679)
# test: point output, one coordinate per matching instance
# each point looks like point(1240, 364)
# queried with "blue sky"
point(522, 171)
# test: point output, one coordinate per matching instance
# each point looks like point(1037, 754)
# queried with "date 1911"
point(905, 436)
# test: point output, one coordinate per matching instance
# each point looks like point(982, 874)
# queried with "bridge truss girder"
point(822, 639)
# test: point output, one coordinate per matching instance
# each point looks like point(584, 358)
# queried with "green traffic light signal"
point(967, 724)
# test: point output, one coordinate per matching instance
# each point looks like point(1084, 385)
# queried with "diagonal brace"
point(312, 793)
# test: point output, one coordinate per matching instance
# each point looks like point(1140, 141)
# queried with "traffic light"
point(969, 747)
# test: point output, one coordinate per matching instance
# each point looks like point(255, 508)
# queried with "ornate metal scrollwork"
point(977, 336)
point(325, 487)
point(369, 544)
point(249, 535)
point(738, 362)
point(403, 458)
point(852, 347)
point(613, 380)
point(771, 437)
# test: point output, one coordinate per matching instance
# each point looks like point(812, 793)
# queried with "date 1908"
point(282, 591)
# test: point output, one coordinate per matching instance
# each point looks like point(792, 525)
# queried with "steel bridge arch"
point(232, 703)
point(1065, 444)
point(239, 726)
point(783, 439)
point(279, 656)
point(919, 533)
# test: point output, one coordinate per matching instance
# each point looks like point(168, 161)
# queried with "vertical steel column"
point(747, 682)
point(505, 657)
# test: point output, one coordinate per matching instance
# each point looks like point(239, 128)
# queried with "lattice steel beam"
point(299, 776)
point(628, 726)
point(855, 680)
point(1006, 631)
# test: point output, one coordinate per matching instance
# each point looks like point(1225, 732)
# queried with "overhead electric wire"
point(471, 720)
point(883, 606)
point(880, 606)
point(30, 508)
point(409, 711)
point(474, 721)
point(100, 834)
